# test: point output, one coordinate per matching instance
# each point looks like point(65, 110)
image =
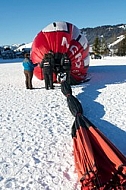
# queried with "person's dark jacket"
point(47, 64)
point(65, 63)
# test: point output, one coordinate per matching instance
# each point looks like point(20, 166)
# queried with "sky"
point(20, 21)
point(36, 147)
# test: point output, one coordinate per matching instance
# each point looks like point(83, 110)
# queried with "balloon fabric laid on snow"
point(99, 164)
point(62, 37)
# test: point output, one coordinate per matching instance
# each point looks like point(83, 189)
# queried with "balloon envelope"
point(61, 37)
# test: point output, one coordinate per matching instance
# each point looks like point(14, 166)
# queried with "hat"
point(27, 55)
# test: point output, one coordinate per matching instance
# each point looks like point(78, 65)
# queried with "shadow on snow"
point(94, 111)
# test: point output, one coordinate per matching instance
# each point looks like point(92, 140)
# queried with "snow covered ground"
point(36, 150)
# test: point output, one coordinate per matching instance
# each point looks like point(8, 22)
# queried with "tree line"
point(101, 47)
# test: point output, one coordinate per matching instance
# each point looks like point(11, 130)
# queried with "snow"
point(119, 39)
point(28, 45)
point(35, 140)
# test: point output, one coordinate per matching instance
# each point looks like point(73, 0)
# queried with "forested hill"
point(109, 32)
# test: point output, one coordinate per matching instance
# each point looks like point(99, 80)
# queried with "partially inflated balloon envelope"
point(62, 37)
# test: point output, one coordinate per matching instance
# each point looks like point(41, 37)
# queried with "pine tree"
point(104, 50)
point(96, 46)
point(100, 46)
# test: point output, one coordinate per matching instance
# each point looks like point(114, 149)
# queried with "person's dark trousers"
point(51, 81)
point(28, 79)
point(46, 77)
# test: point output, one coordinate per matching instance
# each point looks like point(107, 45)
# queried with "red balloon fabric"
point(99, 164)
point(62, 37)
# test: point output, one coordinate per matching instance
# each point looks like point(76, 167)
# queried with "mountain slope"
point(109, 32)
